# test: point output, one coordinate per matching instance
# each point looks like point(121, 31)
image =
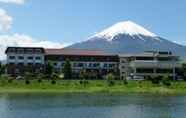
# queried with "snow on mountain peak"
point(126, 27)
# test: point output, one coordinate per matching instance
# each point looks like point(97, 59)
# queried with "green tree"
point(110, 79)
point(184, 70)
point(166, 80)
point(83, 76)
point(40, 77)
point(67, 70)
point(155, 79)
point(55, 76)
point(48, 70)
point(2, 69)
point(28, 76)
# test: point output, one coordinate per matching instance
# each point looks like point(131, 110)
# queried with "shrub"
point(67, 70)
point(39, 80)
point(166, 81)
point(53, 82)
point(10, 80)
point(28, 76)
point(125, 81)
point(27, 82)
point(80, 82)
point(55, 76)
point(83, 82)
point(156, 79)
point(110, 79)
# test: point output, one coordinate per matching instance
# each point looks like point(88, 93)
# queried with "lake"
point(91, 106)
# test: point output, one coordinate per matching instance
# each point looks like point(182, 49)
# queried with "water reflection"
point(91, 106)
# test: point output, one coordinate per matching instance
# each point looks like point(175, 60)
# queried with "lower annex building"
point(95, 62)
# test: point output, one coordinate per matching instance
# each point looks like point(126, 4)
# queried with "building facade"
point(151, 63)
point(20, 59)
point(94, 62)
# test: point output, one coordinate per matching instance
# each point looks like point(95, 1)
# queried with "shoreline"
point(93, 87)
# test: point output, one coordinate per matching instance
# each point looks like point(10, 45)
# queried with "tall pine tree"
point(67, 70)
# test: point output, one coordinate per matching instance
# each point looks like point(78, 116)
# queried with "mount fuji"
point(128, 37)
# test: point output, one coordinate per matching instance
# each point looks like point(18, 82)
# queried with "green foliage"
point(155, 79)
point(166, 80)
point(83, 76)
point(28, 76)
point(4, 79)
point(110, 79)
point(53, 82)
point(2, 69)
point(39, 80)
point(48, 70)
point(67, 70)
point(125, 81)
point(184, 70)
point(10, 80)
point(40, 76)
point(55, 76)
point(27, 82)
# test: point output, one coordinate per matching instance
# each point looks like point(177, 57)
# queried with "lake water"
point(91, 106)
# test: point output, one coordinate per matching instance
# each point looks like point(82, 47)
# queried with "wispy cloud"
point(5, 20)
point(21, 40)
point(19, 2)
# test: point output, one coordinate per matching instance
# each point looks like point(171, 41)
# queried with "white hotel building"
point(133, 66)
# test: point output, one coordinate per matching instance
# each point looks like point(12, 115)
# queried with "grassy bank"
point(63, 86)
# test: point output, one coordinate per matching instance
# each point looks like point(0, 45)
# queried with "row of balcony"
point(155, 64)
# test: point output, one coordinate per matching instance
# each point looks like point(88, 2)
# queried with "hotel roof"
point(81, 52)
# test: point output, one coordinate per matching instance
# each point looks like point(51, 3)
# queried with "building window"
point(12, 63)
point(80, 65)
point(20, 51)
point(105, 65)
point(145, 58)
point(30, 64)
point(30, 58)
point(62, 64)
point(144, 70)
point(90, 65)
point(21, 57)
point(55, 64)
point(164, 70)
point(29, 50)
point(123, 61)
point(21, 64)
point(96, 65)
point(11, 50)
point(38, 64)
point(38, 58)
point(111, 65)
point(164, 59)
point(11, 57)
point(38, 51)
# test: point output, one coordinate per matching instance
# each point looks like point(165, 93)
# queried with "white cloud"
point(5, 20)
point(22, 40)
point(13, 1)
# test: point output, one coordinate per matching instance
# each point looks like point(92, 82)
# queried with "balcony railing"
point(157, 64)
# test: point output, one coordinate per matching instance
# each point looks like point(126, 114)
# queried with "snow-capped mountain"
point(128, 37)
point(127, 27)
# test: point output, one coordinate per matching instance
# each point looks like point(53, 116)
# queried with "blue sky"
point(69, 21)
